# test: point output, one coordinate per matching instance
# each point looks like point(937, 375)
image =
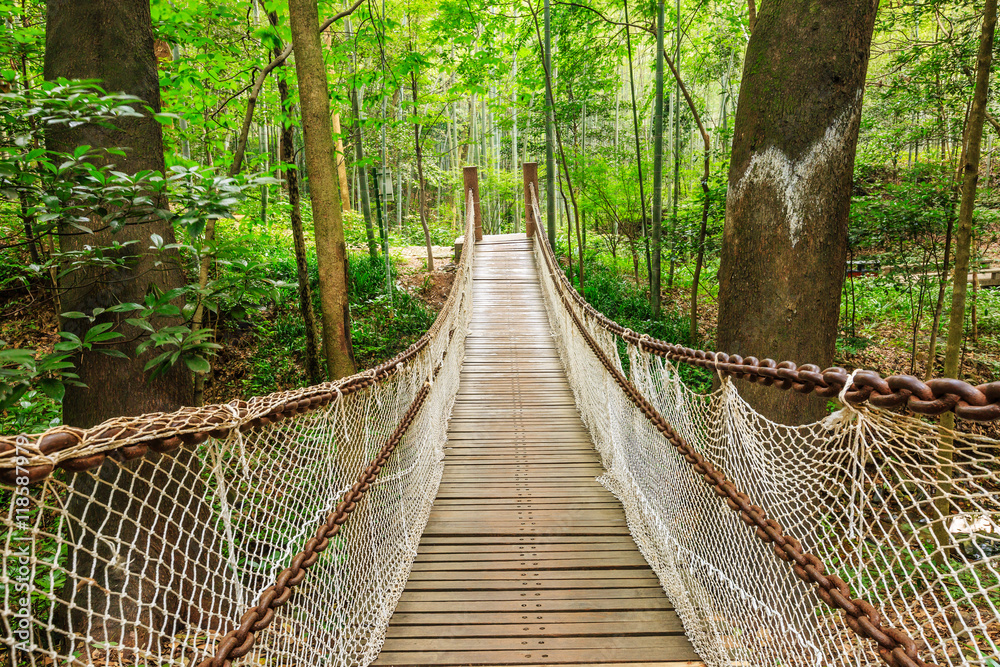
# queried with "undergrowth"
point(621, 300)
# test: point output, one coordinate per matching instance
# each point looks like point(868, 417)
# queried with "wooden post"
point(530, 170)
point(471, 179)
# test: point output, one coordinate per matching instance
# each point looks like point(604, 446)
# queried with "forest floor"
point(262, 353)
point(431, 287)
point(250, 365)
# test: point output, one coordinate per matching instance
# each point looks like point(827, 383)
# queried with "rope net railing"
point(275, 531)
point(868, 538)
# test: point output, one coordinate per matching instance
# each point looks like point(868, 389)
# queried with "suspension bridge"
point(528, 484)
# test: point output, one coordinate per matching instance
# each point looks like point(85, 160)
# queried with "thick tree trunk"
point(314, 370)
point(324, 191)
point(785, 239)
point(113, 42)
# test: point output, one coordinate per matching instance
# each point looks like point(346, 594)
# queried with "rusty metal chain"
point(895, 647)
point(122, 438)
point(192, 425)
point(934, 397)
point(240, 641)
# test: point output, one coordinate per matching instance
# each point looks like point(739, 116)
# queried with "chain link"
point(127, 438)
point(896, 648)
point(934, 397)
point(240, 641)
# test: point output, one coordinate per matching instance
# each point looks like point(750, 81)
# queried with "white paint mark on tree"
point(795, 181)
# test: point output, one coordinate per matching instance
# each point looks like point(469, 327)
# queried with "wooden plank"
point(540, 642)
point(534, 575)
point(622, 652)
point(467, 565)
point(616, 598)
point(526, 559)
point(599, 602)
point(665, 617)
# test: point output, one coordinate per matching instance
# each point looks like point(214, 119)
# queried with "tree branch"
point(645, 28)
point(258, 84)
point(993, 122)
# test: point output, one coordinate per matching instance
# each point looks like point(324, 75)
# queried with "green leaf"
point(18, 356)
point(53, 388)
point(197, 364)
point(141, 323)
point(156, 361)
point(125, 307)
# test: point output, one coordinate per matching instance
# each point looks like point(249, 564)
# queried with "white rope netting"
point(151, 562)
point(865, 490)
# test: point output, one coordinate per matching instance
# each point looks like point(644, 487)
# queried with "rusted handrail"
point(895, 647)
point(127, 438)
point(973, 402)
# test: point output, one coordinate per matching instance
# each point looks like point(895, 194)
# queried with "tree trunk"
point(939, 306)
point(654, 285)
point(550, 156)
point(345, 197)
point(785, 237)
point(198, 320)
point(331, 251)
point(359, 156)
point(638, 149)
point(421, 186)
point(549, 88)
point(113, 42)
point(287, 158)
point(118, 42)
point(960, 283)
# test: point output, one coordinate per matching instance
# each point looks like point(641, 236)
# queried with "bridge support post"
point(530, 171)
point(471, 180)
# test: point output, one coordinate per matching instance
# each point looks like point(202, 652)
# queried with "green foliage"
point(892, 217)
point(624, 302)
point(81, 192)
point(381, 326)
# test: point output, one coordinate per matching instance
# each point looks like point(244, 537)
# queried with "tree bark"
point(113, 41)
point(562, 152)
point(345, 197)
point(258, 85)
point(324, 191)
point(638, 149)
point(359, 156)
point(939, 306)
point(313, 369)
point(785, 237)
point(550, 159)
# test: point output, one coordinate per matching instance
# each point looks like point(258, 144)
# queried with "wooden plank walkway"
point(526, 559)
